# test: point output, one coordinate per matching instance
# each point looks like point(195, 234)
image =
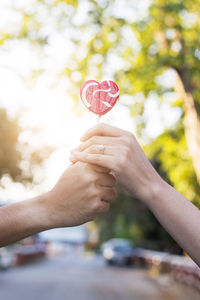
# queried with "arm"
point(179, 217)
point(81, 194)
point(22, 219)
point(125, 158)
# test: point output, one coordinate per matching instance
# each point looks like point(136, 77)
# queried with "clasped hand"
point(122, 155)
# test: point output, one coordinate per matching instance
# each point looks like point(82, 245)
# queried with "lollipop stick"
point(98, 119)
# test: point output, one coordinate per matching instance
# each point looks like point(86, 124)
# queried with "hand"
point(122, 155)
point(82, 192)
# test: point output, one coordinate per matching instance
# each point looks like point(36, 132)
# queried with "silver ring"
point(102, 148)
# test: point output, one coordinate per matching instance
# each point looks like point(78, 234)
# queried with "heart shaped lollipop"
point(99, 97)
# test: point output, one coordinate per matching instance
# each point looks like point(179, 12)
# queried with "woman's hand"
point(122, 155)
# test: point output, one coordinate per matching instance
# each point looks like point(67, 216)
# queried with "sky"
point(46, 112)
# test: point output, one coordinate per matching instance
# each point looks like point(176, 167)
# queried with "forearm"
point(22, 219)
point(178, 216)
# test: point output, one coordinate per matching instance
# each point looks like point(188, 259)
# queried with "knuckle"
point(127, 140)
point(126, 151)
point(85, 155)
point(124, 141)
point(120, 164)
point(121, 161)
point(87, 144)
point(93, 140)
point(94, 148)
point(90, 149)
point(94, 179)
point(112, 180)
point(97, 206)
point(97, 158)
point(104, 207)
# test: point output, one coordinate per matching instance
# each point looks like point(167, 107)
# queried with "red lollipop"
point(99, 97)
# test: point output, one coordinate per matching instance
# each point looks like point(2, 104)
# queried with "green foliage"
point(170, 157)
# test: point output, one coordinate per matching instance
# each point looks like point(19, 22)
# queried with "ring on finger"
point(102, 148)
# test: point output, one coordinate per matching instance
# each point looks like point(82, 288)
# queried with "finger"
point(73, 159)
point(99, 169)
point(108, 194)
point(96, 149)
point(95, 159)
point(102, 130)
point(104, 206)
point(106, 180)
point(97, 140)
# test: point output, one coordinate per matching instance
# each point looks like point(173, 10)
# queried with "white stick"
point(98, 119)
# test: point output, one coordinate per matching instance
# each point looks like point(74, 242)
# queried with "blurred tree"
point(9, 155)
point(144, 54)
point(170, 157)
point(13, 162)
point(152, 49)
point(165, 39)
point(138, 54)
point(169, 39)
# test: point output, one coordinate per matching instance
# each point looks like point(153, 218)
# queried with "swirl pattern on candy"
point(99, 97)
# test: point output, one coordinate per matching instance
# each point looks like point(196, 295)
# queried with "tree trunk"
point(191, 120)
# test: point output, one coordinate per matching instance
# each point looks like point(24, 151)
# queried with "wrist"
point(23, 219)
point(41, 212)
point(155, 192)
point(52, 210)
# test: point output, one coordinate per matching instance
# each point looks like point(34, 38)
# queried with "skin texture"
point(127, 161)
point(82, 193)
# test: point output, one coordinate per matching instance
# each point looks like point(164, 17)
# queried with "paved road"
point(78, 277)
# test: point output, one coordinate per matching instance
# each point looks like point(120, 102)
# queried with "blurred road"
point(81, 277)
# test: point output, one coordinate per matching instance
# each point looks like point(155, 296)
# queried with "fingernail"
point(72, 159)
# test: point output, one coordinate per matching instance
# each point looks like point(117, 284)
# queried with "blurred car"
point(118, 251)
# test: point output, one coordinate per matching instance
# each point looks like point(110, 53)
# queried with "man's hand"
point(82, 192)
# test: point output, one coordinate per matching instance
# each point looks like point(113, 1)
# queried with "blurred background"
point(48, 48)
